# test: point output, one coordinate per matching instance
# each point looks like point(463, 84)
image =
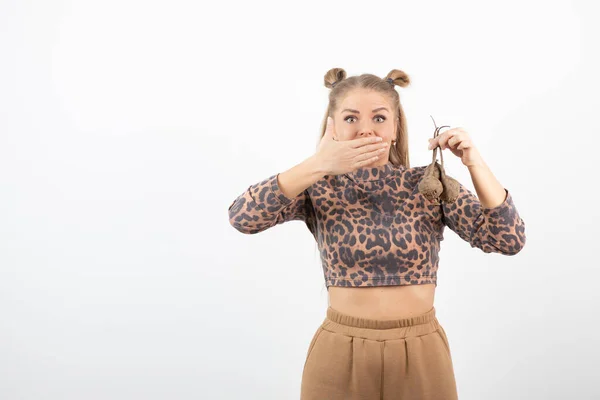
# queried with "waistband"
point(359, 322)
point(377, 329)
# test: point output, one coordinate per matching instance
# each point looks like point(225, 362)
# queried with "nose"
point(366, 131)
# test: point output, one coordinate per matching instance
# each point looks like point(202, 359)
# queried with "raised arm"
point(277, 199)
point(499, 229)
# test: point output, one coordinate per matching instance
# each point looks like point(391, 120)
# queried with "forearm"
point(489, 191)
point(296, 179)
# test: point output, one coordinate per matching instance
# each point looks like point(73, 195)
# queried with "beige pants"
point(359, 358)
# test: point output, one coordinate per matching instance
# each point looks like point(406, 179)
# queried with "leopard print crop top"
point(374, 228)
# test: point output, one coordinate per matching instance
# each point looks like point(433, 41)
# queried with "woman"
point(379, 240)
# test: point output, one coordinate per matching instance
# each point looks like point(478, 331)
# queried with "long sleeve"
point(499, 229)
point(263, 205)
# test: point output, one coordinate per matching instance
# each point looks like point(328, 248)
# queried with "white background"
point(127, 128)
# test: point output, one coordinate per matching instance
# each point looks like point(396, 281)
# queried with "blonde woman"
point(379, 240)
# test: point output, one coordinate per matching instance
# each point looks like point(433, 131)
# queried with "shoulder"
point(418, 169)
point(415, 173)
point(322, 187)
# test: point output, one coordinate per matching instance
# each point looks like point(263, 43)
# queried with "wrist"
point(316, 167)
point(477, 164)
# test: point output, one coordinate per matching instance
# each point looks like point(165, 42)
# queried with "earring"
point(393, 142)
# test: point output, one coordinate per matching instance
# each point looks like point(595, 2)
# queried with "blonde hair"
point(340, 86)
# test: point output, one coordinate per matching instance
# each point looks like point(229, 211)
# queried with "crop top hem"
point(402, 280)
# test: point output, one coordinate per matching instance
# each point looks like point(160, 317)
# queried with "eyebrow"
point(358, 112)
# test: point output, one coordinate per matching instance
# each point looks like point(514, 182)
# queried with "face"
point(365, 113)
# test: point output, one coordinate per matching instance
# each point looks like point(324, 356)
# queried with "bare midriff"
point(382, 302)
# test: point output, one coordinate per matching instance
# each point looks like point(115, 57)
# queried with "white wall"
point(128, 127)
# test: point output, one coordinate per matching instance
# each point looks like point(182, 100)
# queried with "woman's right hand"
point(340, 157)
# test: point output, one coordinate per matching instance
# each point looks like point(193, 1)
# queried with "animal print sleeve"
point(499, 229)
point(264, 205)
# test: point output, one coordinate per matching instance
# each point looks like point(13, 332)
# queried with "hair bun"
point(333, 76)
point(398, 77)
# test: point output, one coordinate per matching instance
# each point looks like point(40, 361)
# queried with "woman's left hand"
point(460, 144)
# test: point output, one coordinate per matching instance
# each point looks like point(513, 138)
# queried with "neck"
point(379, 163)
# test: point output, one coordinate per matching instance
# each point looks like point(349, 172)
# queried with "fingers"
point(447, 139)
point(356, 143)
point(372, 150)
point(367, 158)
point(374, 147)
point(440, 141)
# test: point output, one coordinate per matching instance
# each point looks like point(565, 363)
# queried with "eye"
point(377, 116)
